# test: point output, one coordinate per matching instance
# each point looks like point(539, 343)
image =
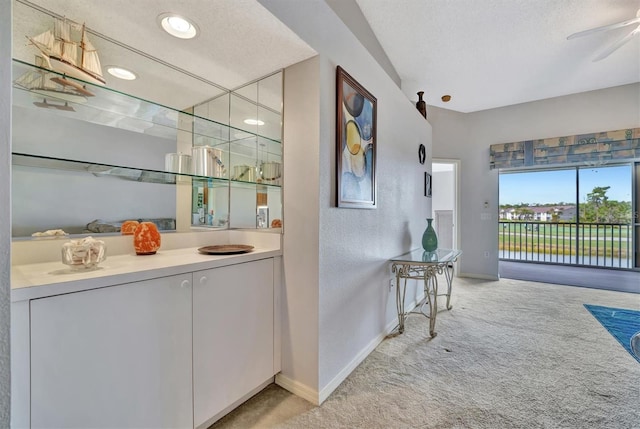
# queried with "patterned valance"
point(595, 147)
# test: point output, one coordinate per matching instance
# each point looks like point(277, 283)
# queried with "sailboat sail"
point(90, 60)
point(56, 49)
point(33, 79)
point(45, 43)
point(62, 30)
point(70, 53)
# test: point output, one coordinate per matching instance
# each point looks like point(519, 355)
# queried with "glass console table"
point(420, 265)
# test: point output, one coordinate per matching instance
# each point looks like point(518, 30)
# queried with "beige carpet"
point(510, 354)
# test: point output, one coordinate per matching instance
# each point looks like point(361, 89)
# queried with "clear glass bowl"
point(84, 254)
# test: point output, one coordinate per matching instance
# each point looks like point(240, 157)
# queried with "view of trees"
point(599, 209)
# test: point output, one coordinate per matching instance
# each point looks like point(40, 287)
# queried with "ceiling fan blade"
point(604, 54)
point(604, 28)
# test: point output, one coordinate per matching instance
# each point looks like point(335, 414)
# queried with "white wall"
point(301, 147)
point(338, 266)
point(468, 136)
point(443, 190)
point(5, 207)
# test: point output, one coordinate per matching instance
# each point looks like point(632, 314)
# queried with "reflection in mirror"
point(75, 202)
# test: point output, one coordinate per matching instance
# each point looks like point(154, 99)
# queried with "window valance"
point(595, 147)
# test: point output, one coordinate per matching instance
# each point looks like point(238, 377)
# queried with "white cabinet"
point(171, 352)
point(233, 335)
point(118, 356)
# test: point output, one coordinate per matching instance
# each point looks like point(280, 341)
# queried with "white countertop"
point(40, 280)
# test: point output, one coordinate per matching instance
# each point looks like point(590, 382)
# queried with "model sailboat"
point(76, 58)
point(41, 82)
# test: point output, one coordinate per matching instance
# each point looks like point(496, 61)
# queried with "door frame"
point(456, 200)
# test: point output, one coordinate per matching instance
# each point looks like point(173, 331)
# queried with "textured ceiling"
point(493, 53)
point(484, 53)
point(239, 41)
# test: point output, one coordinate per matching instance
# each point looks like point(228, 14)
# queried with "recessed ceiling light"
point(446, 98)
point(178, 26)
point(121, 73)
point(253, 122)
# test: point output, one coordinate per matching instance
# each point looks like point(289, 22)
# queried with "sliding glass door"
point(576, 216)
point(604, 221)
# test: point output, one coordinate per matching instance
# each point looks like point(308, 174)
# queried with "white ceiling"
point(484, 53)
point(493, 53)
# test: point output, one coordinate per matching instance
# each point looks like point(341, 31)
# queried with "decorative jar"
point(429, 238)
point(421, 105)
point(146, 238)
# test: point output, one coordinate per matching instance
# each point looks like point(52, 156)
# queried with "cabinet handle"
point(185, 283)
point(203, 280)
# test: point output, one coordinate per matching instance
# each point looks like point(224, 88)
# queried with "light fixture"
point(253, 122)
point(121, 73)
point(178, 26)
point(446, 98)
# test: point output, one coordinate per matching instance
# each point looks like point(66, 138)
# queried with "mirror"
point(123, 140)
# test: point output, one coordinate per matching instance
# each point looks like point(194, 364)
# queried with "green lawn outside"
point(541, 237)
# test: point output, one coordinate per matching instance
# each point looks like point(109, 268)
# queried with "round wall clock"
point(422, 154)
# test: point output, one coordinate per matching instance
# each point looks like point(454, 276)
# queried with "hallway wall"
point(5, 208)
point(337, 274)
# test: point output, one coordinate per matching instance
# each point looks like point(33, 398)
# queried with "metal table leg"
point(400, 298)
point(431, 285)
point(448, 272)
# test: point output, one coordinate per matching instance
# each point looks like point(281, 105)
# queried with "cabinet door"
point(232, 335)
point(117, 357)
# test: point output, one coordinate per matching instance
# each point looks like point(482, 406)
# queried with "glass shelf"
point(113, 108)
point(127, 173)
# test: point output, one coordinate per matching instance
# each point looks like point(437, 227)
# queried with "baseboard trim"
point(317, 398)
point(479, 276)
point(357, 360)
point(298, 389)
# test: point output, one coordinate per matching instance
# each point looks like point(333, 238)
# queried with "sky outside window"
point(617, 177)
point(538, 187)
point(553, 187)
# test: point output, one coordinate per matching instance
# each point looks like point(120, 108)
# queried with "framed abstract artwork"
point(356, 145)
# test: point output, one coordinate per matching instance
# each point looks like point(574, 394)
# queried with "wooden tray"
point(225, 249)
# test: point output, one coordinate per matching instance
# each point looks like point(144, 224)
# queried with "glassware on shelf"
point(84, 254)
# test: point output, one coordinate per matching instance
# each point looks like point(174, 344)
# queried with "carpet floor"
point(510, 354)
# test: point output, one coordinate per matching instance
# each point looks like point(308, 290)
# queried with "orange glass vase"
point(146, 238)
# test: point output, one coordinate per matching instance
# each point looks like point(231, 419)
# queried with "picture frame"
point(356, 144)
point(427, 184)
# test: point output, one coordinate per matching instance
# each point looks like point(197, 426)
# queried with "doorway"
point(444, 205)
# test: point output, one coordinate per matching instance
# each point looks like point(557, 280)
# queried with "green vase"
point(429, 238)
